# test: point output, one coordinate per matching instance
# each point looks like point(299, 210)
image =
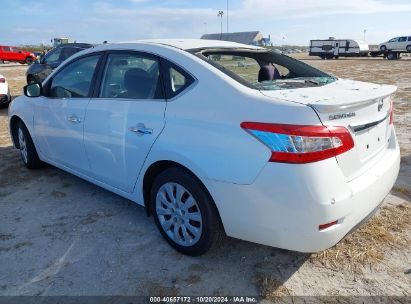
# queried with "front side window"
point(131, 76)
point(74, 81)
point(52, 56)
point(6, 49)
point(393, 40)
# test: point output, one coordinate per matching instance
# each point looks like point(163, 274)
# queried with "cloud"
point(281, 9)
point(143, 19)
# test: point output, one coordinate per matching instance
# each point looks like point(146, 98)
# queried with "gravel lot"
point(60, 235)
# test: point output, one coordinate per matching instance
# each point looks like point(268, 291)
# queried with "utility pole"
point(227, 16)
point(220, 14)
point(205, 27)
point(365, 31)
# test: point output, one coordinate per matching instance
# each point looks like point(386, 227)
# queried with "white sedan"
point(5, 97)
point(216, 138)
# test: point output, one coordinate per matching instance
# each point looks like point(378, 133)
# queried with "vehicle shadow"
point(402, 187)
point(95, 233)
point(3, 111)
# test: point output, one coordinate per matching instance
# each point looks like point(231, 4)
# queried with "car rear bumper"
point(286, 203)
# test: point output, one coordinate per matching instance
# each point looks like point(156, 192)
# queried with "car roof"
point(183, 44)
point(76, 44)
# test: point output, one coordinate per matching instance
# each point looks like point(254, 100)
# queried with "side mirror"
point(32, 90)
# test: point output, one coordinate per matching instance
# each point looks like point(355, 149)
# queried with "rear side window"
point(132, 76)
point(74, 81)
point(176, 80)
point(68, 52)
point(402, 39)
point(409, 38)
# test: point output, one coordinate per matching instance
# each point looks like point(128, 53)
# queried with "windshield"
point(264, 69)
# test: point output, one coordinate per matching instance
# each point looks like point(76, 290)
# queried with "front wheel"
point(184, 212)
point(408, 48)
point(27, 149)
point(29, 60)
point(383, 48)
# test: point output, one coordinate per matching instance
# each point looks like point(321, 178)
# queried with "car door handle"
point(73, 119)
point(141, 130)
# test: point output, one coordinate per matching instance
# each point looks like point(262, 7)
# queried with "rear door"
point(17, 55)
point(124, 117)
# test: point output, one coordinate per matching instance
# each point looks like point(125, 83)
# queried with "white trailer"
point(335, 48)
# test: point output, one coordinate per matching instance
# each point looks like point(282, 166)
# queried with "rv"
point(335, 48)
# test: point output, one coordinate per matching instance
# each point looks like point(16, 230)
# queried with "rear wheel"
point(27, 149)
point(392, 56)
point(184, 212)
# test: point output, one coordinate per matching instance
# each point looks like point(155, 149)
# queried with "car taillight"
point(2, 80)
point(300, 144)
point(392, 109)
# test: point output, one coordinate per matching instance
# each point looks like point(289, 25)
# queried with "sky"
point(286, 21)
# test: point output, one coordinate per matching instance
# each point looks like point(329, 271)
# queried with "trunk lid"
point(362, 108)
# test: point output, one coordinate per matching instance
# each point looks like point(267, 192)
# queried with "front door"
point(59, 116)
point(49, 62)
point(124, 118)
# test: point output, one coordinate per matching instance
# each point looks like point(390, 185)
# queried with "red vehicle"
point(12, 53)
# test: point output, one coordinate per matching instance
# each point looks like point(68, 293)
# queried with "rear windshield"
point(264, 69)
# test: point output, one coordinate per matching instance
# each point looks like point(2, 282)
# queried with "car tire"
point(383, 48)
point(29, 61)
point(408, 48)
point(27, 149)
point(184, 212)
point(392, 56)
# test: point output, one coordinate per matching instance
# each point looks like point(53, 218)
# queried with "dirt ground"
point(60, 235)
